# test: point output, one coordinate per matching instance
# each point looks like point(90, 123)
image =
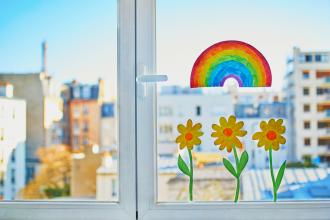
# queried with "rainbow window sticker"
point(231, 59)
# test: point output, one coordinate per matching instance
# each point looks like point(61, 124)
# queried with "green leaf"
point(242, 162)
point(229, 166)
point(183, 166)
point(280, 176)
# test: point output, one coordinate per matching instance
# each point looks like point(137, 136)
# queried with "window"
point(306, 91)
point(321, 57)
point(174, 24)
point(165, 111)
point(2, 134)
point(323, 142)
point(307, 142)
point(307, 108)
point(77, 76)
point(305, 74)
point(198, 110)
point(308, 58)
point(307, 124)
point(85, 109)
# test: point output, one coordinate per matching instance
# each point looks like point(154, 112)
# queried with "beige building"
point(307, 91)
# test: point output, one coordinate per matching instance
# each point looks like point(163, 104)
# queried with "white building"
point(12, 146)
point(307, 92)
point(176, 106)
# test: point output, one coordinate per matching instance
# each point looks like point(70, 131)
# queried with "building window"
point(319, 91)
point(306, 91)
point(12, 176)
point(85, 141)
point(76, 112)
point(323, 142)
point(308, 58)
point(321, 58)
point(307, 108)
point(13, 113)
point(307, 141)
point(85, 126)
point(307, 124)
point(165, 129)
point(165, 111)
point(2, 134)
point(198, 110)
point(85, 109)
point(305, 74)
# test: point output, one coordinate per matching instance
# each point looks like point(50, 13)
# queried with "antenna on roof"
point(44, 57)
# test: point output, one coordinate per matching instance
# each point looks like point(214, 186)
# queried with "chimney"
point(44, 57)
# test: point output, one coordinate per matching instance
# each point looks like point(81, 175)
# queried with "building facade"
point(82, 106)
point(12, 144)
point(43, 110)
point(307, 92)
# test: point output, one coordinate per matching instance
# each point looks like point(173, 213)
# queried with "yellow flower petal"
point(180, 139)
point(263, 125)
point(216, 127)
point(198, 133)
point(237, 142)
point(272, 124)
point(257, 135)
point(181, 128)
point(275, 145)
point(182, 145)
point(232, 120)
point(223, 122)
point(241, 133)
point(238, 125)
point(189, 124)
point(281, 139)
point(281, 129)
point(197, 126)
point(229, 148)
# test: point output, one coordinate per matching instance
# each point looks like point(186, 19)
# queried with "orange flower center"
point(188, 136)
point(271, 135)
point(228, 132)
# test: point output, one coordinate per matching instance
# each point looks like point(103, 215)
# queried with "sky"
point(187, 27)
point(82, 34)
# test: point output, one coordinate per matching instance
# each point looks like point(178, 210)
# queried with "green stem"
point(238, 186)
point(191, 177)
point(272, 174)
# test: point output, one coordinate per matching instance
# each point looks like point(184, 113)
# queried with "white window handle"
point(151, 78)
point(145, 80)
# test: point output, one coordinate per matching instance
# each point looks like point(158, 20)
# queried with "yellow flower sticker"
point(227, 133)
point(189, 135)
point(270, 135)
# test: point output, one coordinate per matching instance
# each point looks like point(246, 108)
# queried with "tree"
point(53, 177)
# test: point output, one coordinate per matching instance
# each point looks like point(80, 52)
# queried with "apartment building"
point(12, 143)
point(307, 92)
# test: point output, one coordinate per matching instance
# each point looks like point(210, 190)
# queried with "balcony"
point(324, 132)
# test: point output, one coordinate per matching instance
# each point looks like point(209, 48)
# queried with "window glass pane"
point(291, 41)
point(58, 119)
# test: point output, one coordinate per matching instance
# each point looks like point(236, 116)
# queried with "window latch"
point(149, 79)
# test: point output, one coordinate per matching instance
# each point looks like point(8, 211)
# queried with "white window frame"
point(125, 208)
point(148, 207)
